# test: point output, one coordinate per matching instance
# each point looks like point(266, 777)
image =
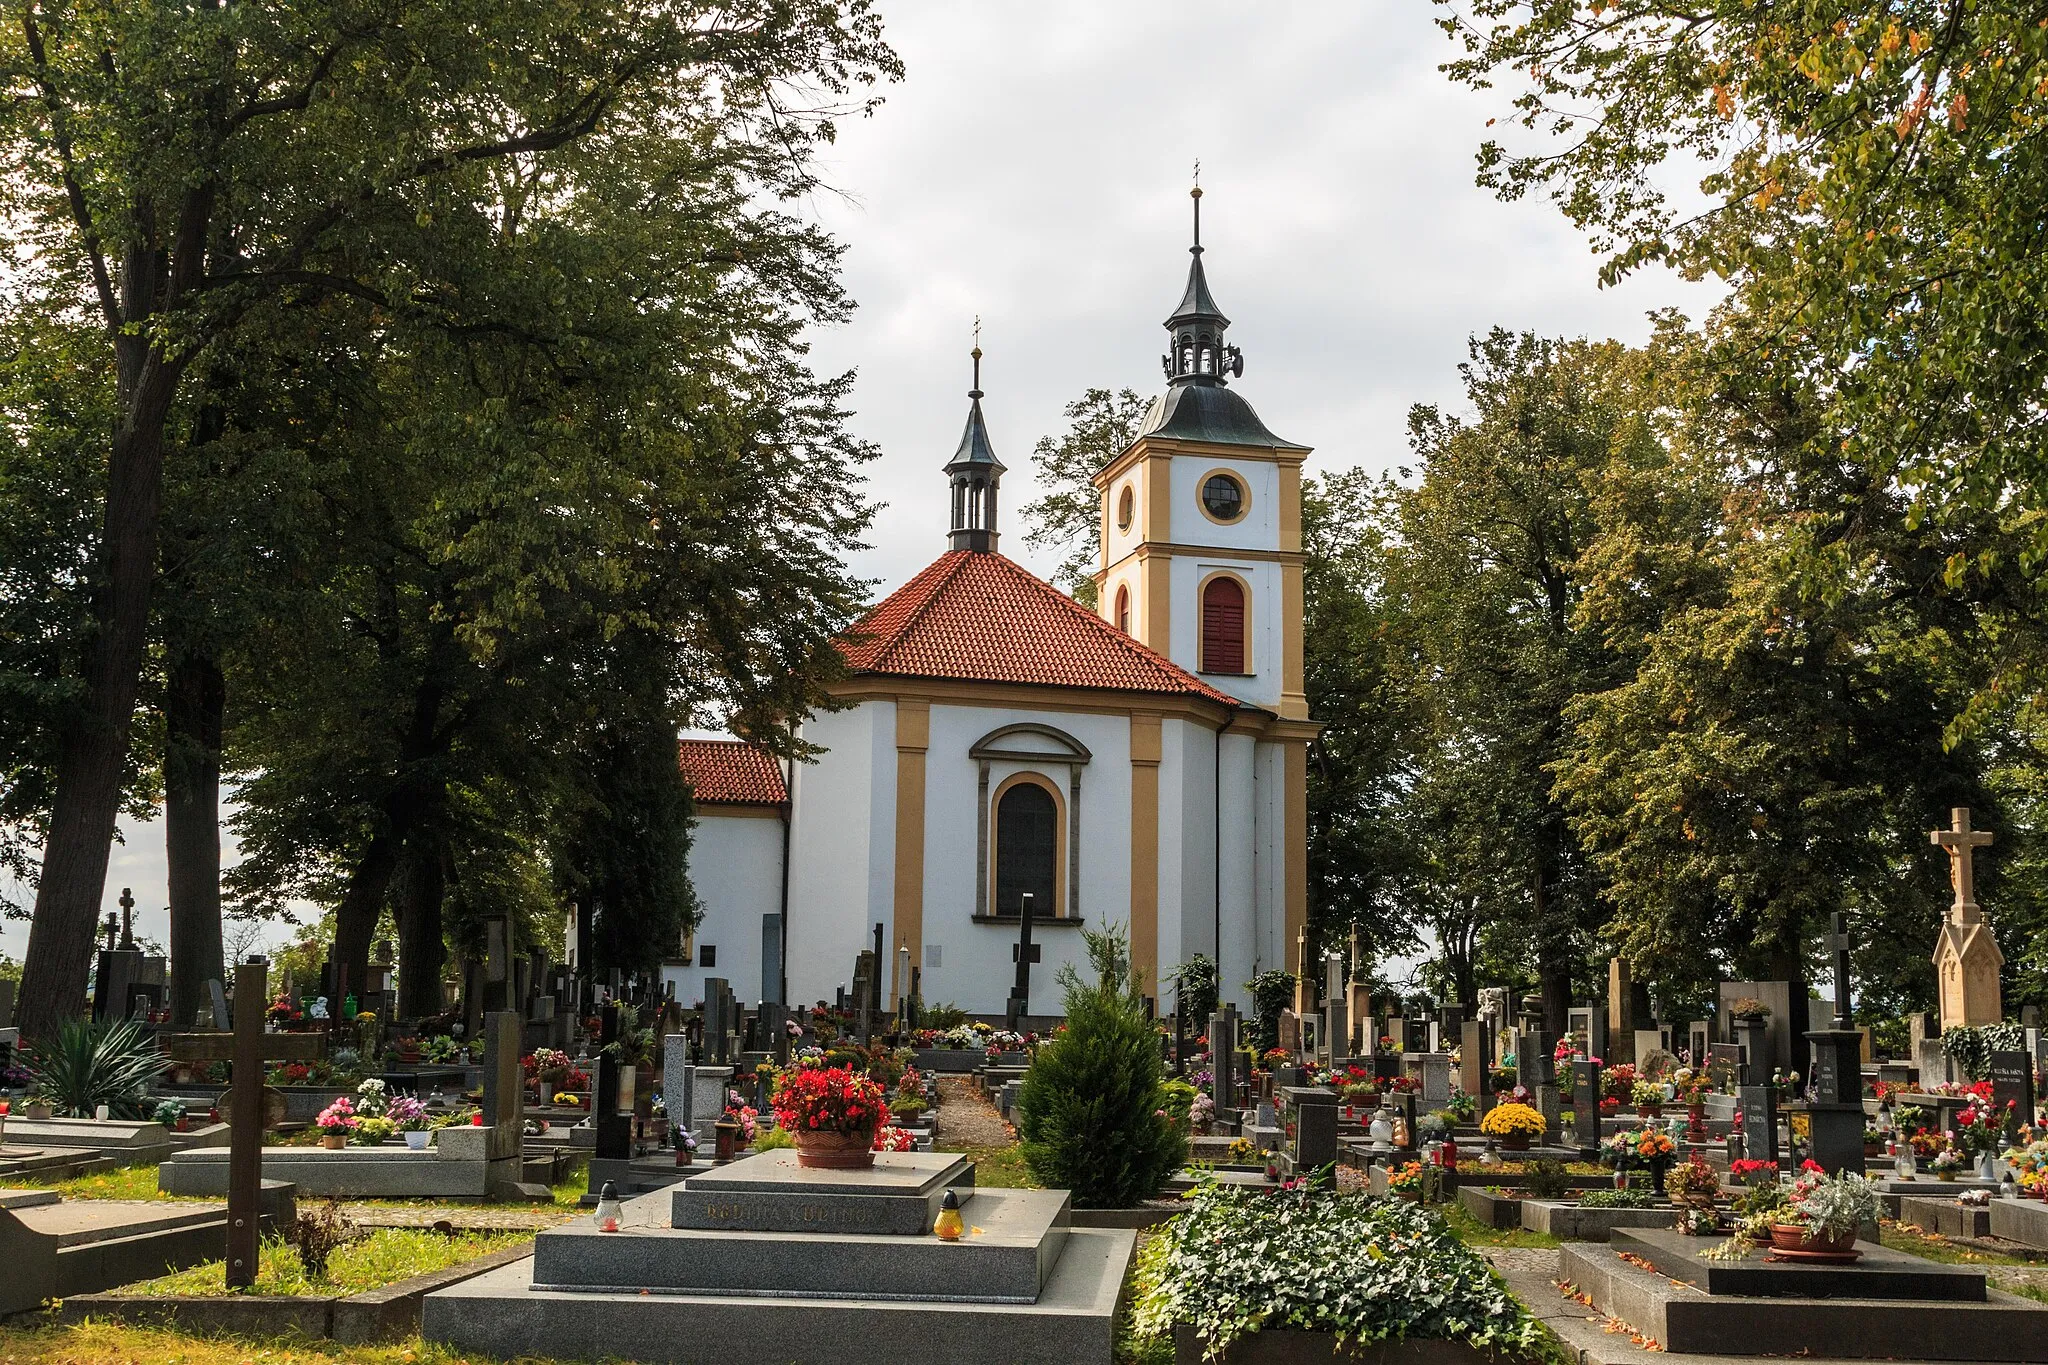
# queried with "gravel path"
point(968, 1120)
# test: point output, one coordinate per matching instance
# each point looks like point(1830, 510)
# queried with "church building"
point(1142, 765)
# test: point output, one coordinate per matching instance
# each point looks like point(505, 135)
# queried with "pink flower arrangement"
point(338, 1118)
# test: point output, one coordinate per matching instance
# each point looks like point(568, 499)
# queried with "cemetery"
point(560, 801)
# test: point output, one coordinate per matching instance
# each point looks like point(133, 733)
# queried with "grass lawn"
point(1474, 1233)
point(998, 1168)
point(383, 1257)
point(1908, 1237)
point(129, 1182)
point(108, 1343)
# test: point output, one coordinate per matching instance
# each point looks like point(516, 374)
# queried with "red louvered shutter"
point(1223, 626)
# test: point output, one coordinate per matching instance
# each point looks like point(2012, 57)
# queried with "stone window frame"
point(997, 746)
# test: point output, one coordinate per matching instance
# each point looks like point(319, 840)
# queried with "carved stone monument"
point(1966, 956)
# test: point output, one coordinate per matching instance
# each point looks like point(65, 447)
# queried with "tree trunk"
point(1553, 959)
point(193, 704)
point(92, 758)
point(362, 904)
point(422, 951)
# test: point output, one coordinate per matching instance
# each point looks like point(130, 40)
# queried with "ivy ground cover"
point(1362, 1269)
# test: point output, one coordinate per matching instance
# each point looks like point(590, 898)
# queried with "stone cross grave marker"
point(1966, 955)
point(246, 1050)
point(1836, 1113)
point(1023, 953)
point(1838, 945)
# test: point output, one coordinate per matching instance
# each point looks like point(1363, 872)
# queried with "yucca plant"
point(89, 1064)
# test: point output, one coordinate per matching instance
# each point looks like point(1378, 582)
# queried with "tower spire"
point(974, 472)
point(1199, 355)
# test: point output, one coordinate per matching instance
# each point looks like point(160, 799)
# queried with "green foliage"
point(1196, 990)
point(772, 1139)
point(942, 1017)
point(1271, 992)
point(1068, 515)
point(1091, 1108)
point(1630, 1198)
point(1970, 1048)
point(1547, 1177)
point(1366, 1270)
point(88, 1064)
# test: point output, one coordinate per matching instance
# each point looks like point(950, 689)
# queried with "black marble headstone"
point(2012, 1081)
point(1759, 1104)
point(1586, 1106)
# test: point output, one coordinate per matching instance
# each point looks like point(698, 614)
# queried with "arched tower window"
point(1027, 849)
point(1223, 619)
point(1126, 508)
point(1123, 610)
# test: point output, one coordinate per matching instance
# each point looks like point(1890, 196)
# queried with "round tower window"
point(1125, 509)
point(1223, 497)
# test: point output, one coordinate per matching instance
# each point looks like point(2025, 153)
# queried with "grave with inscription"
point(765, 1249)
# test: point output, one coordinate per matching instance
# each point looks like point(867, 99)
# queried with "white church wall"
point(1238, 863)
point(1192, 797)
point(1262, 686)
point(1124, 539)
point(1270, 859)
point(973, 969)
point(842, 846)
point(736, 871)
point(1257, 529)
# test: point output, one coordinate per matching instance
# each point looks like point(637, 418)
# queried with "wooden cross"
point(246, 1050)
point(1961, 842)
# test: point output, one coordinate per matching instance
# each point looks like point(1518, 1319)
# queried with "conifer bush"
point(1093, 1109)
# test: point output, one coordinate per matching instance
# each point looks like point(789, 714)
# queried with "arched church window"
point(1027, 849)
point(1126, 508)
point(1223, 626)
point(1123, 610)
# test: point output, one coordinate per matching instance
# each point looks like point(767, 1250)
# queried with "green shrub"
point(1195, 992)
point(1547, 1177)
point(1617, 1199)
point(1092, 1109)
point(771, 1139)
point(942, 1017)
point(89, 1064)
point(1271, 993)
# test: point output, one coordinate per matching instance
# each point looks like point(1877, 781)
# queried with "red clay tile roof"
point(980, 617)
point(731, 772)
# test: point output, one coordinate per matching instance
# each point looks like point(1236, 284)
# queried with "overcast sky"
point(1033, 168)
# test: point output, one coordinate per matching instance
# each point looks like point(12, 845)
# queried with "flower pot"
point(37, 1109)
point(418, 1141)
point(728, 1135)
point(834, 1151)
point(334, 1142)
point(1514, 1142)
point(1650, 1111)
point(1945, 1175)
point(1795, 1238)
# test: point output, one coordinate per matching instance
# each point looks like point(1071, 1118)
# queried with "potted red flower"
point(832, 1114)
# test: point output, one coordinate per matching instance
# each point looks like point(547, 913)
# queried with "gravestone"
point(678, 1079)
point(1696, 1043)
point(1336, 1022)
point(771, 957)
point(1787, 1021)
point(1414, 1035)
point(1966, 956)
point(1586, 1107)
point(1472, 1057)
point(1836, 1111)
point(1753, 1038)
point(1222, 1053)
point(1759, 1109)
point(1534, 1064)
point(1724, 1065)
point(1290, 1032)
point(1312, 1112)
point(1621, 1012)
point(1597, 1040)
point(2012, 1080)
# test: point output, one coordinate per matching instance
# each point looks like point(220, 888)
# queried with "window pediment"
point(1029, 742)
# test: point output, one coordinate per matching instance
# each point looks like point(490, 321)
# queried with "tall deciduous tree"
point(1067, 515)
point(1874, 178)
point(201, 169)
point(1491, 538)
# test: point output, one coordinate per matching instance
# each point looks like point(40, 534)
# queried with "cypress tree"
point(1093, 1105)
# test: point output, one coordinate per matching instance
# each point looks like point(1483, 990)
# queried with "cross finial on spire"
point(1196, 195)
point(975, 392)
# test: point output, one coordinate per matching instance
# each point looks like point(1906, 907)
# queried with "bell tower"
point(974, 473)
point(1201, 519)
